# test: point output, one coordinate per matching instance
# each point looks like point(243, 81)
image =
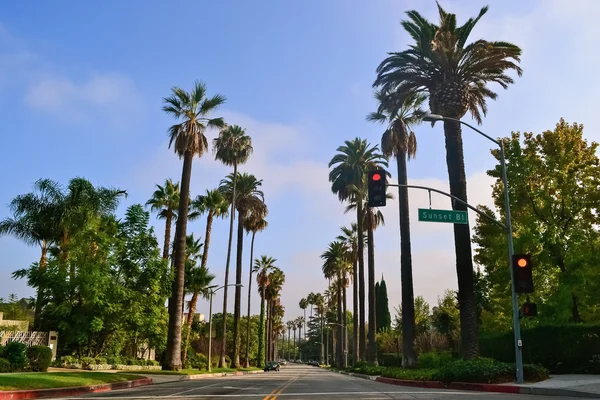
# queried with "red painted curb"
point(62, 392)
point(480, 387)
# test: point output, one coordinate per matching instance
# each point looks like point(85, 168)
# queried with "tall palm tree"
point(348, 181)
point(198, 280)
point(272, 293)
point(399, 140)
point(233, 147)
point(249, 200)
point(165, 201)
point(188, 140)
point(350, 237)
point(311, 298)
point(263, 267)
point(303, 304)
point(319, 302)
point(254, 223)
point(290, 326)
point(33, 223)
point(455, 76)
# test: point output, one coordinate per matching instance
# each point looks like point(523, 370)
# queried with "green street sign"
point(449, 216)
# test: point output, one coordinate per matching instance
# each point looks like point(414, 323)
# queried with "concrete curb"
point(489, 387)
point(73, 391)
point(218, 374)
point(357, 375)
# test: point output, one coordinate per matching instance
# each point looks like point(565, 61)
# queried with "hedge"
point(572, 349)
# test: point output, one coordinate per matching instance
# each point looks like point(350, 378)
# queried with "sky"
point(82, 83)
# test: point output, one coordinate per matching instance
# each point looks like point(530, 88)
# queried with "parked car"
point(314, 363)
point(272, 366)
point(282, 362)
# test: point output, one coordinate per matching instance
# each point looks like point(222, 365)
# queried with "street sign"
point(449, 216)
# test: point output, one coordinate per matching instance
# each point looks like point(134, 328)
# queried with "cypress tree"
point(384, 319)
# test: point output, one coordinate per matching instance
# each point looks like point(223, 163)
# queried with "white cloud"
point(113, 96)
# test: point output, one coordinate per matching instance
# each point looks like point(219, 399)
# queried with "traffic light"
point(522, 274)
point(530, 309)
point(376, 188)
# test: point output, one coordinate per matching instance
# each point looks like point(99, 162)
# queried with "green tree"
point(233, 147)
point(455, 76)
point(422, 316)
point(303, 304)
point(348, 180)
point(553, 179)
point(263, 267)
point(445, 317)
point(165, 201)
point(188, 140)
point(384, 319)
point(398, 140)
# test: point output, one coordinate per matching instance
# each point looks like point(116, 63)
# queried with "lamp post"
point(210, 320)
point(345, 342)
point(515, 304)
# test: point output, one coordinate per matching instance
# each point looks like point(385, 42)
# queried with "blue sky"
point(81, 88)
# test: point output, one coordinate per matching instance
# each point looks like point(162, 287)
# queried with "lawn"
point(49, 380)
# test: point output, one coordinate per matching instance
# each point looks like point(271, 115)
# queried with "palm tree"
point(350, 237)
point(275, 309)
point(263, 267)
point(455, 76)
point(198, 281)
point(188, 140)
point(233, 147)
point(255, 223)
point(399, 140)
point(311, 298)
point(303, 304)
point(348, 181)
point(249, 200)
point(319, 302)
point(165, 201)
point(33, 223)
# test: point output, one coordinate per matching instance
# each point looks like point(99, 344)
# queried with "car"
point(282, 362)
point(272, 366)
point(314, 363)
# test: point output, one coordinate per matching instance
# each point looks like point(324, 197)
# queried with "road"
point(291, 383)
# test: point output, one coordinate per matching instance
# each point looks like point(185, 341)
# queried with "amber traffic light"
point(522, 273)
point(376, 188)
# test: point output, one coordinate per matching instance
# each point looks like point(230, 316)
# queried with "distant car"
point(272, 366)
point(314, 363)
point(282, 362)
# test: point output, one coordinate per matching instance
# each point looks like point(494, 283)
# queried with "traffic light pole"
point(515, 301)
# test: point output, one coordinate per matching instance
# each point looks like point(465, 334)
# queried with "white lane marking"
point(191, 390)
point(449, 392)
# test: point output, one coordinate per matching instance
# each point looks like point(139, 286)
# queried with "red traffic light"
point(522, 262)
point(376, 177)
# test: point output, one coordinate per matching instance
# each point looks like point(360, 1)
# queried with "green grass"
point(49, 380)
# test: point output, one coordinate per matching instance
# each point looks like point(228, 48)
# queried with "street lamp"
point(210, 319)
point(345, 342)
point(515, 304)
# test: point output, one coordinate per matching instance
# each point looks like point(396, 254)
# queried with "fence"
point(31, 338)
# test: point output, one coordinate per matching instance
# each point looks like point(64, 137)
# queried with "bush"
point(434, 360)
point(87, 362)
point(408, 374)
point(40, 358)
point(572, 349)
point(16, 354)
point(481, 370)
point(5, 365)
point(390, 359)
point(114, 360)
point(101, 360)
point(535, 373)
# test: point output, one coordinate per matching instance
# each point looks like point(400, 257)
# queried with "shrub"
point(40, 358)
point(535, 373)
point(16, 354)
point(2, 351)
point(101, 360)
point(434, 360)
point(390, 359)
point(227, 361)
point(572, 349)
point(481, 370)
point(154, 363)
point(5, 365)
point(114, 360)
point(408, 374)
point(87, 362)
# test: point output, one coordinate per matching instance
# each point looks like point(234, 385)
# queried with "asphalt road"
point(291, 383)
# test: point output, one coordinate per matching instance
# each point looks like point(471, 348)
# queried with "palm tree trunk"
point(323, 361)
point(175, 319)
point(361, 278)
point(222, 361)
point(295, 344)
point(249, 298)
point(344, 322)
point(289, 343)
point(355, 300)
point(39, 298)
point(304, 311)
point(168, 224)
point(462, 242)
point(409, 357)
point(339, 359)
point(261, 332)
point(190, 320)
point(209, 222)
point(372, 350)
point(268, 333)
point(237, 308)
